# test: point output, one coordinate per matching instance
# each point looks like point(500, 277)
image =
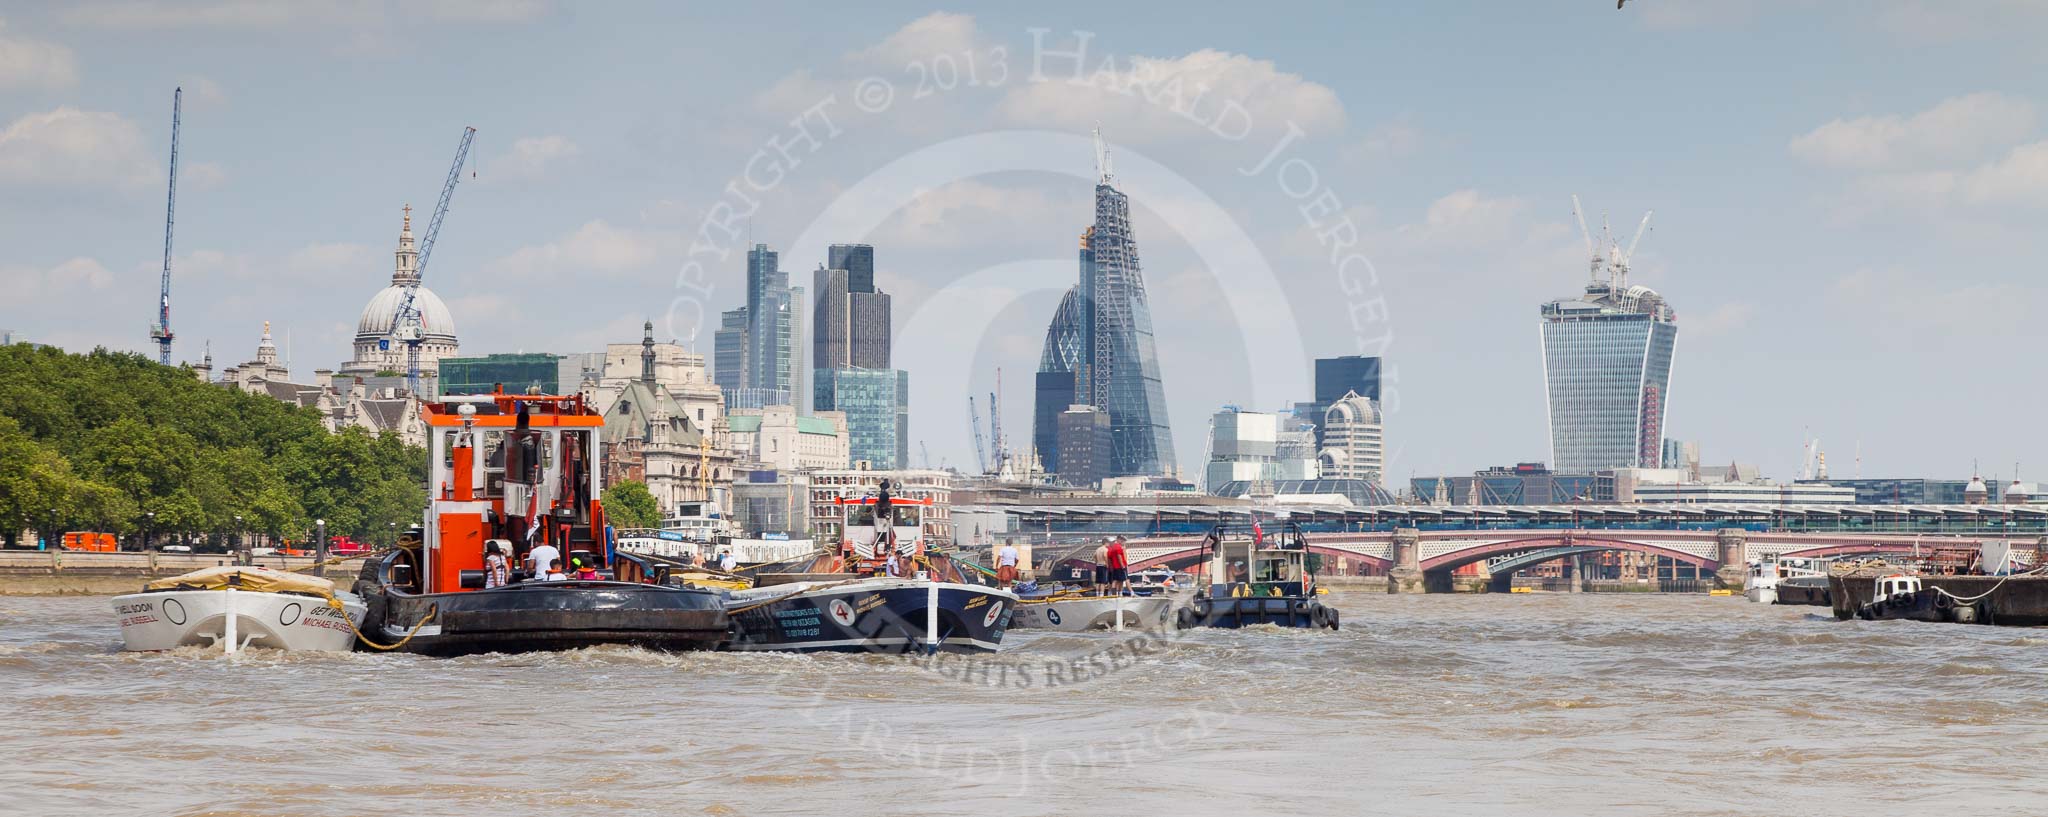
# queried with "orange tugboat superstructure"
point(521, 473)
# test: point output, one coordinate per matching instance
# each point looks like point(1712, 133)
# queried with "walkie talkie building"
point(1607, 370)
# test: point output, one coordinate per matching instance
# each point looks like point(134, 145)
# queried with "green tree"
point(109, 439)
point(629, 505)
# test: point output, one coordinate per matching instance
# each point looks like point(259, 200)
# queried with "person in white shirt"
point(540, 558)
point(1006, 565)
point(726, 562)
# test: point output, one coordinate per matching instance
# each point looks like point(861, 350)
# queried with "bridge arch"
point(1479, 553)
point(1182, 559)
point(1533, 558)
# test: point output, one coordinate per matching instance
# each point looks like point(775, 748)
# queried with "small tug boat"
point(1901, 596)
point(234, 607)
point(1073, 611)
point(1261, 579)
point(882, 590)
point(1805, 580)
point(524, 468)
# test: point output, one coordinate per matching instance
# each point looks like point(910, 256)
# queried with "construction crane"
point(980, 449)
point(1001, 453)
point(1592, 253)
point(407, 327)
point(1623, 259)
point(925, 453)
point(161, 332)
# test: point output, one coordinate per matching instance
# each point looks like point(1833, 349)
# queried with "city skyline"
point(1829, 229)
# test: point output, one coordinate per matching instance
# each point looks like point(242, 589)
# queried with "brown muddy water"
point(1455, 705)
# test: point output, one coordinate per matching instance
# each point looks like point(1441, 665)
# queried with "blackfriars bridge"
point(1420, 548)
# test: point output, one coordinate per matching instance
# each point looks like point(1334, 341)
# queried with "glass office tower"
point(1102, 335)
point(1607, 370)
point(877, 406)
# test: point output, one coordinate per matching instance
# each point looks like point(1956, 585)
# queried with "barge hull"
point(2021, 601)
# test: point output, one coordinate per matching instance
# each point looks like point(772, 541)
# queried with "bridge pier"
point(1406, 574)
point(1574, 580)
point(1732, 549)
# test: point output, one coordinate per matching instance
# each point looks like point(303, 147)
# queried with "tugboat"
point(523, 469)
point(234, 607)
point(1901, 596)
point(884, 589)
point(1777, 579)
point(1073, 611)
point(1260, 579)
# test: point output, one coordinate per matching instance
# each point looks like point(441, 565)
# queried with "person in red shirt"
point(1119, 567)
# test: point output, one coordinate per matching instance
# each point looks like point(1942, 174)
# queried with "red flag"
point(1258, 535)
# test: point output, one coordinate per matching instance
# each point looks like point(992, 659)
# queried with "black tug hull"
point(1234, 612)
point(1798, 592)
point(877, 616)
point(545, 616)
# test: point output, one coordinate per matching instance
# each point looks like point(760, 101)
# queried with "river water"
point(1457, 705)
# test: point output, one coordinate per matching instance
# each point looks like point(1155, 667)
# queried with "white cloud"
point(975, 213)
point(1393, 140)
point(332, 259)
point(26, 63)
point(595, 247)
point(1722, 319)
point(1958, 129)
point(25, 284)
point(1153, 99)
point(73, 148)
point(1946, 21)
point(263, 14)
point(482, 11)
point(533, 157)
point(202, 94)
point(1696, 14)
point(1469, 217)
point(922, 40)
point(2019, 178)
point(1908, 302)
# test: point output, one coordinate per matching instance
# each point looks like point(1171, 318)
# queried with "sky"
point(1846, 194)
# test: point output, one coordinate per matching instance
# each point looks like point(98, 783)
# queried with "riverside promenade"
point(85, 573)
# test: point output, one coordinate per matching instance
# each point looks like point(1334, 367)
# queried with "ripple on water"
point(1489, 704)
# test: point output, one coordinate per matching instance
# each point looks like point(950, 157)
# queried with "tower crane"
point(980, 448)
point(161, 332)
point(1001, 454)
point(406, 326)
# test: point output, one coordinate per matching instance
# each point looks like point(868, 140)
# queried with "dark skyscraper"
point(729, 355)
point(1350, 373)
point(859, 262)
point(850, 324)
point(1334, 377)
point(1108, 321)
